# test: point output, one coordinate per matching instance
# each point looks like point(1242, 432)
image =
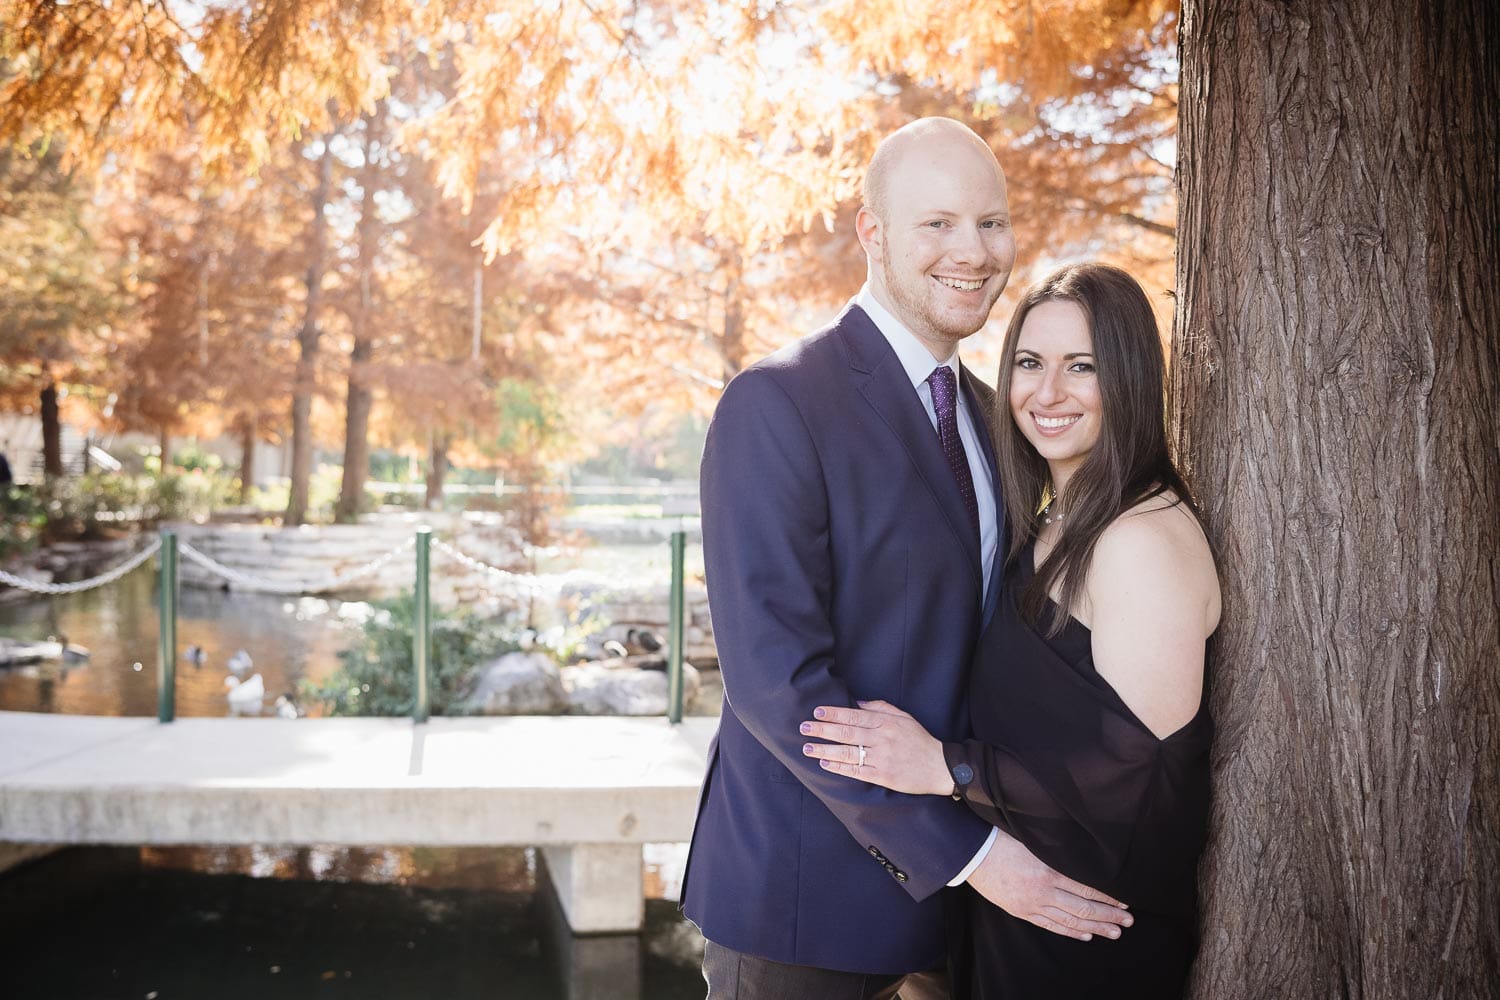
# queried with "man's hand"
point(1013, 879)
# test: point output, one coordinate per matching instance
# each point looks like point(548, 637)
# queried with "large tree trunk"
point(359, 396)
point(307, 344)
point(437, 469)
point(356, 432)
point(1336, 369)
point(247, 458)
point(52, 462)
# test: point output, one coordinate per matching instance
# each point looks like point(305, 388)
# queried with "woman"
point(1090, 722)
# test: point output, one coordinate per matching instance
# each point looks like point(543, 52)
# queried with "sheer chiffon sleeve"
point(1063, 765)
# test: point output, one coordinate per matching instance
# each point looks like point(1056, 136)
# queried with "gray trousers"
point(733, 975)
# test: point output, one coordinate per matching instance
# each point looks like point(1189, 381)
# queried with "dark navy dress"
point(1062, 764)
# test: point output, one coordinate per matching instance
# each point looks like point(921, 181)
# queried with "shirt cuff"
point(984, 850)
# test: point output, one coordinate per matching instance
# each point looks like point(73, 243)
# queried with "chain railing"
point(422, 541)
point(78, 586)
point(317, 585)
point(509, 581)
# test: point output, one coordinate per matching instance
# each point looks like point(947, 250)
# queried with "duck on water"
point(14, 652)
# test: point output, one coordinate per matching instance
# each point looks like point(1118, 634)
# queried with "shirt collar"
point(915, 359)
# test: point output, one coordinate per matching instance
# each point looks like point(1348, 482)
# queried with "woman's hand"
point(898, 753)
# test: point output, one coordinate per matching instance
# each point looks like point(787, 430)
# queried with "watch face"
point(963, 773)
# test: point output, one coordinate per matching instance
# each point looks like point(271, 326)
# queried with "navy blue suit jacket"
point(841, 565)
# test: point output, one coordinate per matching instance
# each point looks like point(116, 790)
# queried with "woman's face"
point(1054, 387)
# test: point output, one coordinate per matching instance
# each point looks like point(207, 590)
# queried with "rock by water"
point(628, 685)
point(519, 684)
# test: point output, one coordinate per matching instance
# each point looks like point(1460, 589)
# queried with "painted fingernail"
point(1127, 921)
point(825, 763)
point(1087, 937)
point(818, 713)
point(1114, 932)
point(807, 749)
point(806, 727)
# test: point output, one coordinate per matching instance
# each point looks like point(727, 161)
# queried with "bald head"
point(926, 139)
point(936, 232)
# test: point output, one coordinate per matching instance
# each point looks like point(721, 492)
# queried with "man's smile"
point(961, 284)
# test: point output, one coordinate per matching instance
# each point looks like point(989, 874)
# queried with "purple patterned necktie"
point(945, 402)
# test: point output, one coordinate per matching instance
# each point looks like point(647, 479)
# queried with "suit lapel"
point(982, 407)
point(985, 407)
point(884, 385)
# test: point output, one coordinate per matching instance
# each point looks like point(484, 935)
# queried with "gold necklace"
point(1044, 510)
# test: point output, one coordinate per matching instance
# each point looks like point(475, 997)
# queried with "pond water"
point(163, 924)
point(287, 638)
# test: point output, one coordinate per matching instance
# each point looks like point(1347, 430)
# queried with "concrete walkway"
point(589, 791)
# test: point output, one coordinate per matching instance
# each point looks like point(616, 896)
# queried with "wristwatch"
point(959, 767)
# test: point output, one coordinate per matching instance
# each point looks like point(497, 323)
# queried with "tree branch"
point(1155, 227)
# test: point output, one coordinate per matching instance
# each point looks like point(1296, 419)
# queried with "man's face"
point(944, 249)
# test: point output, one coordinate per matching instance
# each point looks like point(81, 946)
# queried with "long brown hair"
point(1130, 462)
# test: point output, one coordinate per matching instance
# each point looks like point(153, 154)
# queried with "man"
point(850, 537)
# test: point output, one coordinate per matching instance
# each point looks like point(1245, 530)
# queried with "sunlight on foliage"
point(219, 213)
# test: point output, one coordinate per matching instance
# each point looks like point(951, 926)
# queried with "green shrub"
point(187, 496)
point(94, 506)
point(22, 521)
point(192, 456)
point(378, 675)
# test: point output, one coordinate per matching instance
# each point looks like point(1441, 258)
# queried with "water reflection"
point(502, 869)
point(287, 639)
point(461, 924)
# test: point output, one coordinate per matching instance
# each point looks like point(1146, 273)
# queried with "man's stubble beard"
point(931, 327)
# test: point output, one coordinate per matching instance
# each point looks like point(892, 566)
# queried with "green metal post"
point(422, 633)
point(675, 630)
point(166, 647)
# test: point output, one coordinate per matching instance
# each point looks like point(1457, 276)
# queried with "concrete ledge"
point(519, 781)
point(505, 781)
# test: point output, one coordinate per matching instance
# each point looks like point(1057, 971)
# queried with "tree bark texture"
point(307, 345)
point(52, 462)
point(437, 469)
point(1335, 377)
point(247, 457)
point(359, 397)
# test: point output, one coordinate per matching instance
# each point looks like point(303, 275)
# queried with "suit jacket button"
point(875, 852)
point(901, 876)
point(963, 773)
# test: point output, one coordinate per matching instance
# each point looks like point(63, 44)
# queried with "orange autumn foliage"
point(662, 192)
